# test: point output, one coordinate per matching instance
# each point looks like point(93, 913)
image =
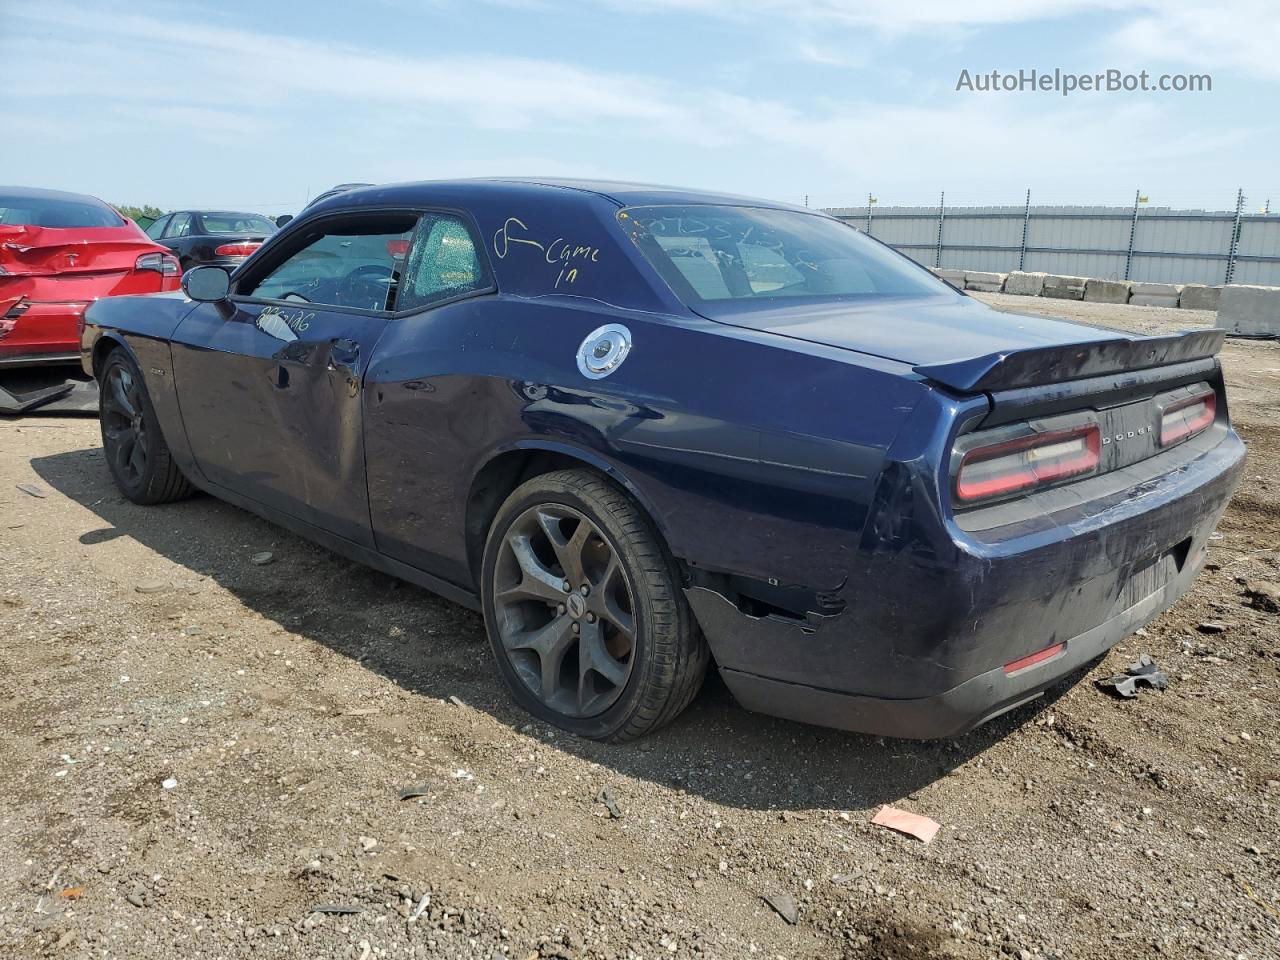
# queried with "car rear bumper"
point(921, 655)
point(41, 332)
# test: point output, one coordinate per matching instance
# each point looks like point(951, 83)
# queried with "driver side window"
point(347, 263)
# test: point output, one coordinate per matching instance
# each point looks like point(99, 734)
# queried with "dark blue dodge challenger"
point(642, 428)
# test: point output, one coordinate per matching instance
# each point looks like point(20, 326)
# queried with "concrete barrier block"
point(1107, 291)
point(1063, 288)
point(953, 277)
point(1152, 300)
point(1250, 310)
point(1198, 296)
point(983, 280)
point(1138, 288)
point(1024, 284)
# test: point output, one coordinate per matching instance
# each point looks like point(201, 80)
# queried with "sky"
point(260, 106)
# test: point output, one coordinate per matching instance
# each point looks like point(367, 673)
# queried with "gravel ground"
point(198, 751)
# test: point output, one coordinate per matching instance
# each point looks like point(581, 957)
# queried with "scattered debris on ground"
point(1141, 673)
point(912, 824)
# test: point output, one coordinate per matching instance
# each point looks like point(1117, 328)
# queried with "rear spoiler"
point(1071, 361)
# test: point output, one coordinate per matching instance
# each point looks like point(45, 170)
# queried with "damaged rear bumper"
point(954, 711)
point(921, 652)
point(35, 332)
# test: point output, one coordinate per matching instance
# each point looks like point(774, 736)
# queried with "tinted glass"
point(707, 252)
point(356, 264)
point(442, 264)
point(179, 226)
point(217, 223)
point(30, 211)
point(156, 229)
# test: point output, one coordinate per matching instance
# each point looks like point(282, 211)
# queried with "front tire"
point(585, 612)
point(135, 449)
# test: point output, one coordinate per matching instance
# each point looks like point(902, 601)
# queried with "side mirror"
point(283, 219)
point(206, 284)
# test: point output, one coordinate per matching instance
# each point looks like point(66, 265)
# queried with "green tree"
point(143, 216)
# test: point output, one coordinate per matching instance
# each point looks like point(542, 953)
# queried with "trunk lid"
point(31, 251)
point(963, 344)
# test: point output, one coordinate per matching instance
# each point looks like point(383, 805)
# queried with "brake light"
point(1019, 465)
point(397, 248)
point(1186, 418)
point(235, 249)
point(160, 263)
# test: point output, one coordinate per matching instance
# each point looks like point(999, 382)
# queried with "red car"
point(59, 252)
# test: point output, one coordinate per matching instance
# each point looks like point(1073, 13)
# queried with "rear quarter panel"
point(750, 456)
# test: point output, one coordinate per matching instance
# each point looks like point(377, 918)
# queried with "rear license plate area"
point(1152, 576)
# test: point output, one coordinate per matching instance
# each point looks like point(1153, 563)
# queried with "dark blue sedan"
point(645, 429)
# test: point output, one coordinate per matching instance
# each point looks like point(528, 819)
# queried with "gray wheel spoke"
point(594, 656)
point(138, 458)
point(620, 618)
point(568, 551)
point(124, 452)
point(537, 581)
point(121, 394)
point(550, 643)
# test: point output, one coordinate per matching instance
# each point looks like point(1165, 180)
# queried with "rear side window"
point(32, 212)
point(231, 223)
point(443, 263)
point(354, 262)
point(179, 226)
point(707, 253)
point(156, 229)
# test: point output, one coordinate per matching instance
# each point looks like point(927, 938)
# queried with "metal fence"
point(1159, 244)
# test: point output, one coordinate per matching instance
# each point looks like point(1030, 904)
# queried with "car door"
point(269, 380)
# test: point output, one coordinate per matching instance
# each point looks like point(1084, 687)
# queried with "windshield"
point(41, 212)
point(720, 253)
point(215, 223)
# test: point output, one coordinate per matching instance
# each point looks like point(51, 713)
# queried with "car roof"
point(622, 193)
point(40, 193)
point(224, 213)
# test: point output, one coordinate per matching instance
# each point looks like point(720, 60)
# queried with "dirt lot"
point(197, 751)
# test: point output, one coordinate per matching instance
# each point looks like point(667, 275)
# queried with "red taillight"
point(235, 249)
point(1027, 462)
point(161, 263)
point(1187, 417)
point(397, 248)
point(1048, 653)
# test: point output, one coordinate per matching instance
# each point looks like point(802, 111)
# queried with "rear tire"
point(135, 449)
point(616, 655)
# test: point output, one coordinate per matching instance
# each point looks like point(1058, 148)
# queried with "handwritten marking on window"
point(508, 234)
point(569, 257)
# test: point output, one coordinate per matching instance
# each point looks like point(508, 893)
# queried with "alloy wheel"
point(124, 424)
point(565, 610)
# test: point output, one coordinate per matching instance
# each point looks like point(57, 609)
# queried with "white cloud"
point(1243, 35)
point(310, 113)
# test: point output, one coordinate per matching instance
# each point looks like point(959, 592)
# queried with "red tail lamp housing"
point(1187, 417)
point(236, 249)
point(161, 263)
point(1023, 464)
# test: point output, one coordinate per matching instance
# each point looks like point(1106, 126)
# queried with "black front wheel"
point(585, 611)
point(135, 449)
